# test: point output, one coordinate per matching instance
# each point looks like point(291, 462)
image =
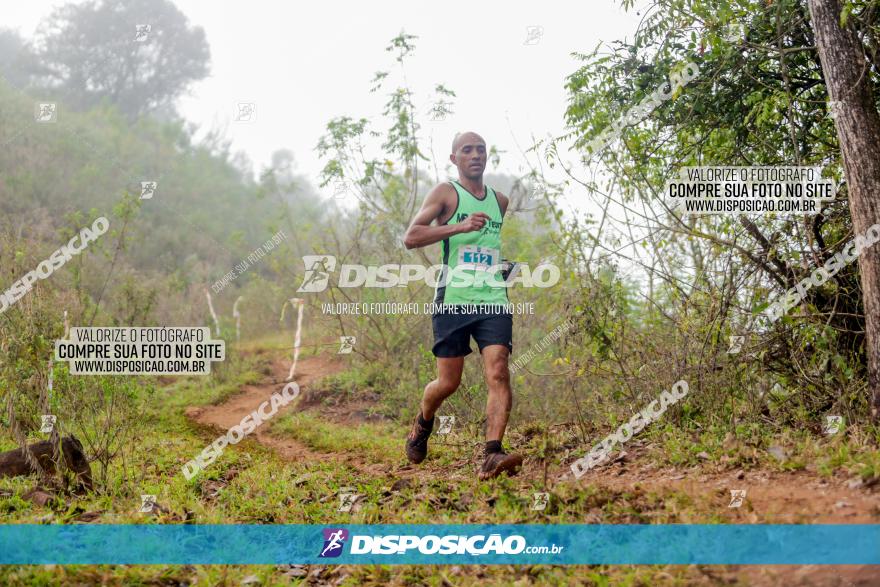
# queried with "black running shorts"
point(453, 330)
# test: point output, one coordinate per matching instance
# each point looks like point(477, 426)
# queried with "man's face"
point(470, 157)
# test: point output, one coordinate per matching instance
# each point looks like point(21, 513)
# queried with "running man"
point(468, 218)
point(334, 542)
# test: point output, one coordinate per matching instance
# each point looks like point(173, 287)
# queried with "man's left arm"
point(503, 201)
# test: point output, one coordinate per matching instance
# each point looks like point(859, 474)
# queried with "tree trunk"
point(14, 462)
point(847, 75)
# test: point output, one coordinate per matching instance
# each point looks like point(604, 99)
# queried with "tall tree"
point(760, 99)
point(846, 70)
point(96, 51)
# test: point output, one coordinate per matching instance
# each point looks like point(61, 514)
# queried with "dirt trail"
point(231, 412)
point(771, 497)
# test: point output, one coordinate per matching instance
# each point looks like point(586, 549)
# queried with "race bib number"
point(478, 257)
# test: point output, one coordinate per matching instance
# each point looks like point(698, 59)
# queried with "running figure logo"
point(446, 423)
point(318, 268)
point(346, 344)
point(142, 32)
point(245, 112)
point(736, 344)
point(334, 539)
point(148, 189)
point(541, 501)
point(148, 503)
point(45, 112)
point(48, 423)
point(736, 497)
point(833, 425)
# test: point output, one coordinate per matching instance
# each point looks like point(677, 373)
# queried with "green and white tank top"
point(473, 259)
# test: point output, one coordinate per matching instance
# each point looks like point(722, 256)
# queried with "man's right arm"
point(421, 234)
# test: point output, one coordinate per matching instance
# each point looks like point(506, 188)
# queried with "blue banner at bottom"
point(441, 544)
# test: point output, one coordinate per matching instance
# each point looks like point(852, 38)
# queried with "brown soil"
point(771, 497)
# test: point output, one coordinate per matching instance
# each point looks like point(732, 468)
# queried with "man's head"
point(469, 154)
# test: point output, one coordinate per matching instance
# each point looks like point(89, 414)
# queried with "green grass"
point(374, 441)
point(850, 452)
point(251, 484)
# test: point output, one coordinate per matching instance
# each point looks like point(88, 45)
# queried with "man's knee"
point(498, 374)
point(447, 385)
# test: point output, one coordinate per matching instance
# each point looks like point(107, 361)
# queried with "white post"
point(237, 315)
point(213, 314)
point(51, 376)
point(299, 303)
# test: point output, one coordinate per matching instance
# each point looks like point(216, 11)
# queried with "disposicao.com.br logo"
point(476, 269)
point(334, 540)
point(493, 544)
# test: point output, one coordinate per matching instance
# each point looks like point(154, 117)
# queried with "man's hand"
point(475, 221)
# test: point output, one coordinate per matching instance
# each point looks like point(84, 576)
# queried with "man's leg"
point(451, 346)
point(448, 379)
point(500, 397)
point(494, 337)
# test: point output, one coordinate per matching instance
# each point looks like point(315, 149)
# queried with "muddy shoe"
point(499, 462)
point(417, 441)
